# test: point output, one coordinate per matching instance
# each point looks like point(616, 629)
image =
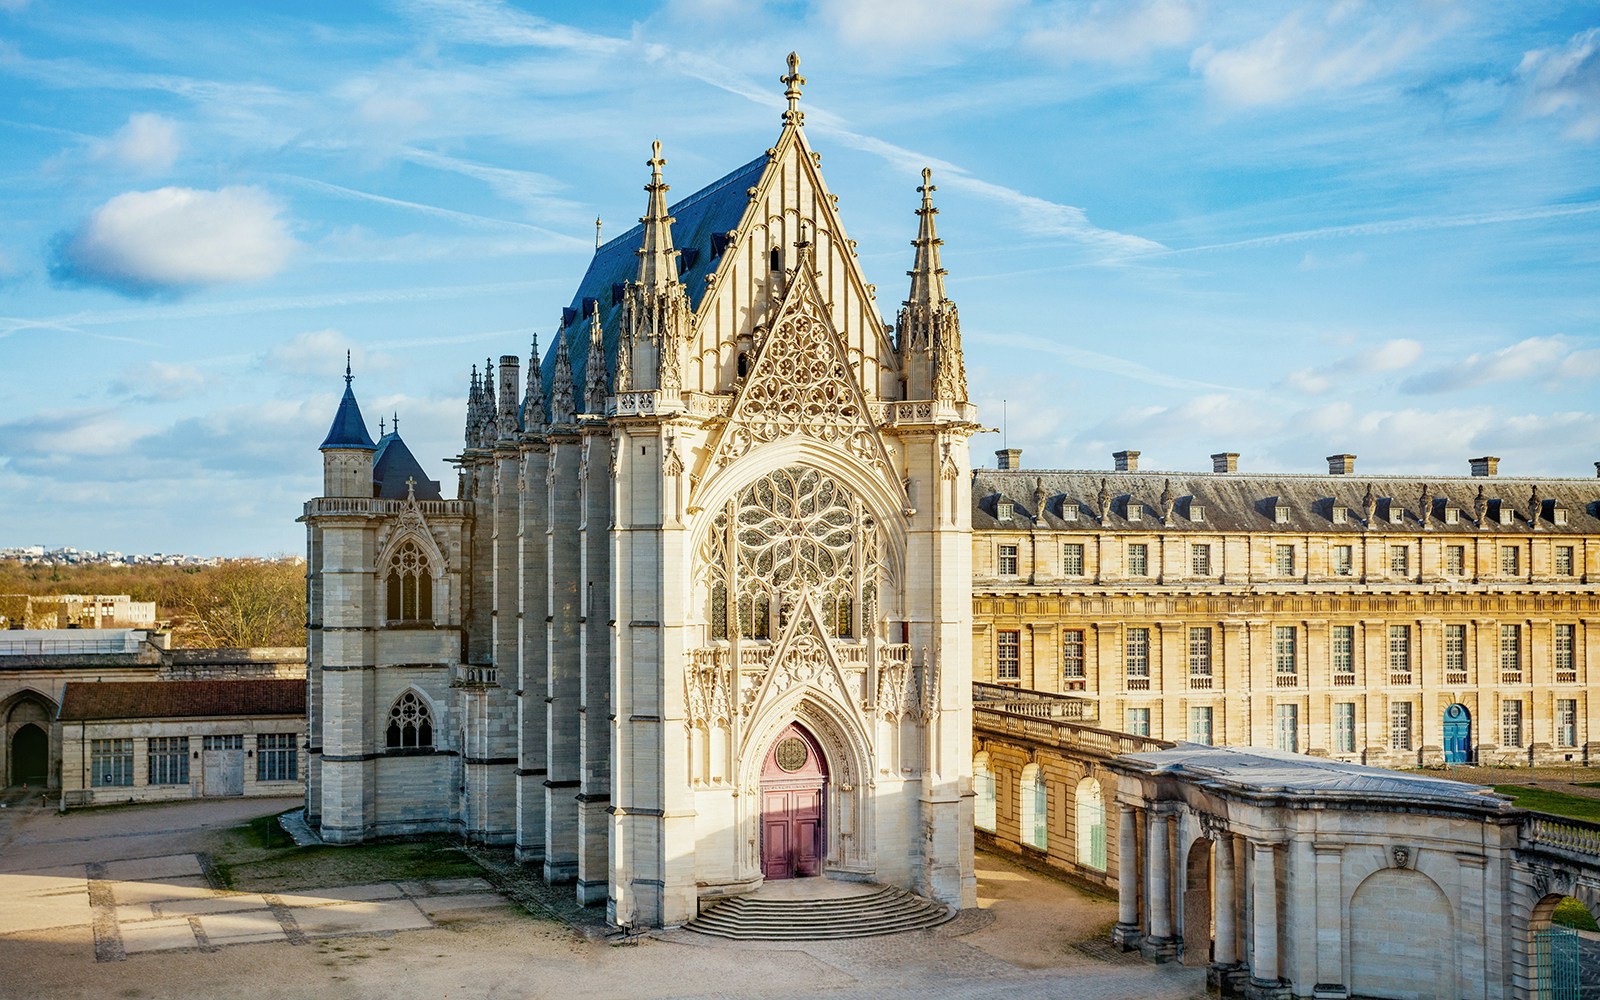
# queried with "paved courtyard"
point(124, 903)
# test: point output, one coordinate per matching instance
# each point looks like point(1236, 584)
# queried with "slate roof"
point(348, 429)
point(393, 465)
point(1259, 770)
point(700, 224)
point(98, 701)
point(1242, 502)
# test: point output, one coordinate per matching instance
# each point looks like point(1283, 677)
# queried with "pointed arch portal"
point(794, 791)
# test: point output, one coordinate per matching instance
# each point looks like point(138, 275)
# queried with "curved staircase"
point(867, 912)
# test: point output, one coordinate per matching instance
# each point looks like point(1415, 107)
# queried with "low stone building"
point(146, 741)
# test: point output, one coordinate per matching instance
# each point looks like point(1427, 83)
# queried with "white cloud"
point(897, 24)
point(1349, 45)
point(174, 239)
point(148, 143)
point(1564, 82)
point(159, 381)
point(319, 353)
point(1114, 32)
point(1546, 359)
point(1389, 356)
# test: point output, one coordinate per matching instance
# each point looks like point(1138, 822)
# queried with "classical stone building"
point(1396, 620)
point(701, 615)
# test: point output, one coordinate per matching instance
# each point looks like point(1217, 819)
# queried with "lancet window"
point(410, 584)
point(410, 723)
point(791, 533)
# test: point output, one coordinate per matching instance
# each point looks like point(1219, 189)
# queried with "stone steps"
point(887, 911)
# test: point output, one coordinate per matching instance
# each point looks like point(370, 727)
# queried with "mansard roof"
point(1242, 502)
point(393, 465)
point(181, 699)
point(700, 224)
point(348, 429)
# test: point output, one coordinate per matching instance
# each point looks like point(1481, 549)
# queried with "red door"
point(793, 783)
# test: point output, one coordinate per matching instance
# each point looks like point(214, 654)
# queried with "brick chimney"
point(1488, 465)
point(1225, 461)
point(1341, 465)
point(1008, 458)
point(1127, 461)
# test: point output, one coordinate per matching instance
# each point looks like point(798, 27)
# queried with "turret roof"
point(349, 430)
point(393, 465)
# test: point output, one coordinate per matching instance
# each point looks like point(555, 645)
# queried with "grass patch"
point(259, 857)
point(1571, 913)
point(1556, 803)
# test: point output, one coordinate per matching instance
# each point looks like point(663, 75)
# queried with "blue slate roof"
point(701, 222)
point(393, 465)
point(348, 430)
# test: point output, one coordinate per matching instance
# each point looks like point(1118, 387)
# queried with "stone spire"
point(658, 261)
point(594, 367)
point(533, 397)
point(655, 306)
point(930, 327)
point(486, 405)
point(474, 416)
point(792, 82)
point(563, 410)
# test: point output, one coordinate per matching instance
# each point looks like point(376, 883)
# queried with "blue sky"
point(1284, 229)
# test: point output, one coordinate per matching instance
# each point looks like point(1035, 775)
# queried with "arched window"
point(410, 584)
point(1035, 801)
point(410, 723)
point(983, 791)
point(1091, 825)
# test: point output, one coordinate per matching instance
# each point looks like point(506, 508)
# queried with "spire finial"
point(381, 431)
point(927, 188)
point(656, 162)
point(792, 84)
point(395, 423)
point(347, 375)
point(597, 232)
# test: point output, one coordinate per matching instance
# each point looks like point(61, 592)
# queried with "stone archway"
point(1410, 961)
point(25, 730)
point(1197, 908)
point(794, 795)
point(30, 756)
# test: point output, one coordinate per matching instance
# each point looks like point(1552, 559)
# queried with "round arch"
point(1033, 800)
point(1090, 808)
point(1414, 965)
point(1197, 908)
point(25, 740)
point(983, 790)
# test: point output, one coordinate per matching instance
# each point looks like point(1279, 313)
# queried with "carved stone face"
point(1401, 855)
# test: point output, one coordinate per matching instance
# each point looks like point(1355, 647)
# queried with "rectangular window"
point(1344, 654)
point(1008, 560)
point(1072, 655)
point(1565, 637)
point(1400, 725)
point(1399, 560)
point(110, 763)
point(1072, 559)
point(1510, 653)
point(1137, 661)
point(1200, 559)
point(1286, 720)
point(234, 741)
point(1008, 655)
point(276, 757)
point(169, 760)
point(1455, 560)
point(1511, 723)
point(1563, 560)
point(1138, 559)
point(1510, 560)
point(1200, 652)
point(1455, 654)
point(1139, 721)
point(1399, 654)
point(1283, 560)
point(1283, 649)
point(1566, 722)
point(1344, 727)
point(1200, 724)
point(1343, 560)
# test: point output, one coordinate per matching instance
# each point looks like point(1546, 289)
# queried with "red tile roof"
point(181, 699)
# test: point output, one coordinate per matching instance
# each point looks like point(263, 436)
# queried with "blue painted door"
point(1457, 735)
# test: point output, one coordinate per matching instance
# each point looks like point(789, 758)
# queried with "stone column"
point(1126, 933)
point(1224, 903)
point(1160, 945)
point(1265, 979)
point(1329, 906)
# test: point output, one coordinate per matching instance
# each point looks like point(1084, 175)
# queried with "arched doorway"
point(1556, 946)
point(1415, 963)
point(1091, 825)
point(1197, 904)
point(30, 756)
point(794, 790)
point(1457, 735)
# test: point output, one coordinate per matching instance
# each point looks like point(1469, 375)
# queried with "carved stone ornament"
point(1401, 856)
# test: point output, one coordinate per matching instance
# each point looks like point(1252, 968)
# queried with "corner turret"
point(929, 326)
point(655, 305)
point(347, 450)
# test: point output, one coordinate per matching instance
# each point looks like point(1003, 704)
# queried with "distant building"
point(25, 611)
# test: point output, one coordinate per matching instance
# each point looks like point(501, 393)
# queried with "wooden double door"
point(794, 799)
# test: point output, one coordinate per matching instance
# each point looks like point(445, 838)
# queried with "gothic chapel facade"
point(702, 614)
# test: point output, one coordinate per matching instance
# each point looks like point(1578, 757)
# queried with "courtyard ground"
point(135, 902)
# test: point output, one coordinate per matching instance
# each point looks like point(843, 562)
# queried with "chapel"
point(700, 616)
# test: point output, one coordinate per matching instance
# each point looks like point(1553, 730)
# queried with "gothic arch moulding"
point(835, 728)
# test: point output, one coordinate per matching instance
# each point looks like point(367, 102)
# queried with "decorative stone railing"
point(1035, 704)
point(1574, 835)
point(927, 411)
point(755, 654)
point(474, 675)
point(373, 505)
point(1062, 734)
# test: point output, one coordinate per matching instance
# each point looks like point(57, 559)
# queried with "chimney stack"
point(1488, 465)
point(1127, 461)
point(1341, 465)
point(1225, 461)
point(1008, 458)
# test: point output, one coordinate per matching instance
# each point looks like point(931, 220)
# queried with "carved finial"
point(381, 431)
point(927, 188)
point(597, 232)
point(792, 84)
point(396, 422)
point(656, 162)
point(347, 374)
point(803, 244)
point(411, 487)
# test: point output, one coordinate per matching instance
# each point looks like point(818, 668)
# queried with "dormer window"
point(1452, 515)
point(1558, 515)
point(1069, 511)
point(1003, 509)
point(1506, 516)
point(1280, 513)
point(1135, 511)
point(1341, 514)
point(1197, 512)
point(1397, 513)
